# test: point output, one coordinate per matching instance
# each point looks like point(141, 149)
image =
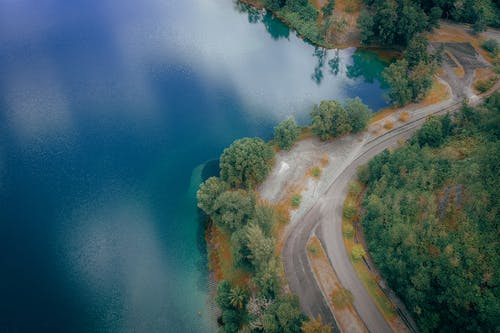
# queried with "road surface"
point(325, 219)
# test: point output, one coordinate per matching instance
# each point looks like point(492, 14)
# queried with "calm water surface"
point(108, 111)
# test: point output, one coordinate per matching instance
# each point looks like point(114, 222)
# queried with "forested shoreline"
point(430, 218)
point(251, 293)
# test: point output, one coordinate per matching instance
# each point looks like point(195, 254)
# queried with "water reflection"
point(319, 53)
point(334, 63)
point(366, 65)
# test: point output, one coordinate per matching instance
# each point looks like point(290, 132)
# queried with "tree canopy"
point(286, 133)
point(358, 113)
point(246, 162)
point(431, 220)
point(330, 119)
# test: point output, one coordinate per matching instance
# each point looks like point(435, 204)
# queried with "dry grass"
point(457, 34)
point(438, 93)
point(324, 161)
point(485, 77)
point(389, 124)
point(382, 114)
point(340, 300)
point(404, 116)
point(221, 259)
point(348, 11)
point(314, 247)
point(305, 133)
point(459, 70)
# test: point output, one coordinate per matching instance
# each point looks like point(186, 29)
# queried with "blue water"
point(108, 112)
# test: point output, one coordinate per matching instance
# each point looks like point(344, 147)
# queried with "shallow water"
point(108, 112)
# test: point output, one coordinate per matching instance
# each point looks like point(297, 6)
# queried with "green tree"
point(329, 120)
point(357, 252)
point(416, 51)
point(268, 280)
point(233, 209)
point(359, 114)
point(209, 192)
point(246, 162)
point(237, 297)
point(265, 217)
point(286, 133)
point(431, 133)
point(328, 8)
point(365, 25)
point(420, 81)
point(396, 76)
point(261, 247)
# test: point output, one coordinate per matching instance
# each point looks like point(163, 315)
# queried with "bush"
point(296, 198)
point(431, 133)
point(354, 188)
point(485, 85)
point(357, 252)
point(342, 298)
point(246, 162)
point(316, 172)
point(349, 211)
point(348, 231)
point(491, 46)
point(286, 133)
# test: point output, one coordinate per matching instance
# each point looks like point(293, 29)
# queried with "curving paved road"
point(325, 219)
point(327, 213)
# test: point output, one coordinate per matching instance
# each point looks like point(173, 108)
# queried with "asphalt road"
point(325, 219)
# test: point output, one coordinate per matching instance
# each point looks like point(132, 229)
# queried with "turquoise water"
point(108, 112)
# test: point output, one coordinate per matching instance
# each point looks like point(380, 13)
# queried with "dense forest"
point(430, 217)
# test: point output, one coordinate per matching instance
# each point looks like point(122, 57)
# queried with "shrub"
point(388, 125)
point(348, 231)
point(349, 211)
point(357, 252)
point(286, 133)
point(404, 116)
point(354, 188)
point(342, 298)
point(431, 133)
point(296, 198)
point(316, 172)
point(485, 85)
point(491, 46)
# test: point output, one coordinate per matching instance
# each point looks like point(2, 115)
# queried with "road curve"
point(326, 213)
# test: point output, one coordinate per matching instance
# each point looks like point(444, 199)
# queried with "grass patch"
point(438, 93)
point(315, 172)
point(296, 199)
point(221, 258)
point(314, 247)
point(342, 298)
point(382, 114)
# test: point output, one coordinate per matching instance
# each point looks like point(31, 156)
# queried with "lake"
point(109, 111)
